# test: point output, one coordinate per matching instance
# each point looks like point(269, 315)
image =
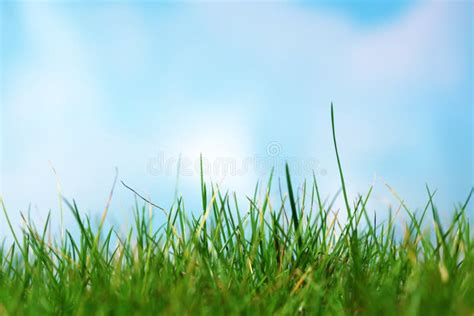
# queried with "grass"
point(290, 257)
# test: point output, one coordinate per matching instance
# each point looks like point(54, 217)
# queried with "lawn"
point(260, 257)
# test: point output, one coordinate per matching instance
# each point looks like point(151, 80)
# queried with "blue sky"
point(90, 86)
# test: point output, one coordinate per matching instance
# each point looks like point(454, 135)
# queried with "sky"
point(90, 86)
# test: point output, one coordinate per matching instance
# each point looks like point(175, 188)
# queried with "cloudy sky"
point(87, 87)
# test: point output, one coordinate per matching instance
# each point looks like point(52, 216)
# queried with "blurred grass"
point(245, 259)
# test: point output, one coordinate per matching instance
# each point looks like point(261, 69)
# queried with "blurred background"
point(87, 87)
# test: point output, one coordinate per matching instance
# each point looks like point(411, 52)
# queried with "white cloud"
point(362, 69)
point(54, 112)
point(417, 47)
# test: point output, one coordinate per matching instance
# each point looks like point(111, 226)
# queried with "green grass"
point(290, 257)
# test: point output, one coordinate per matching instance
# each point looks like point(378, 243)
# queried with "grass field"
point(291, 257)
